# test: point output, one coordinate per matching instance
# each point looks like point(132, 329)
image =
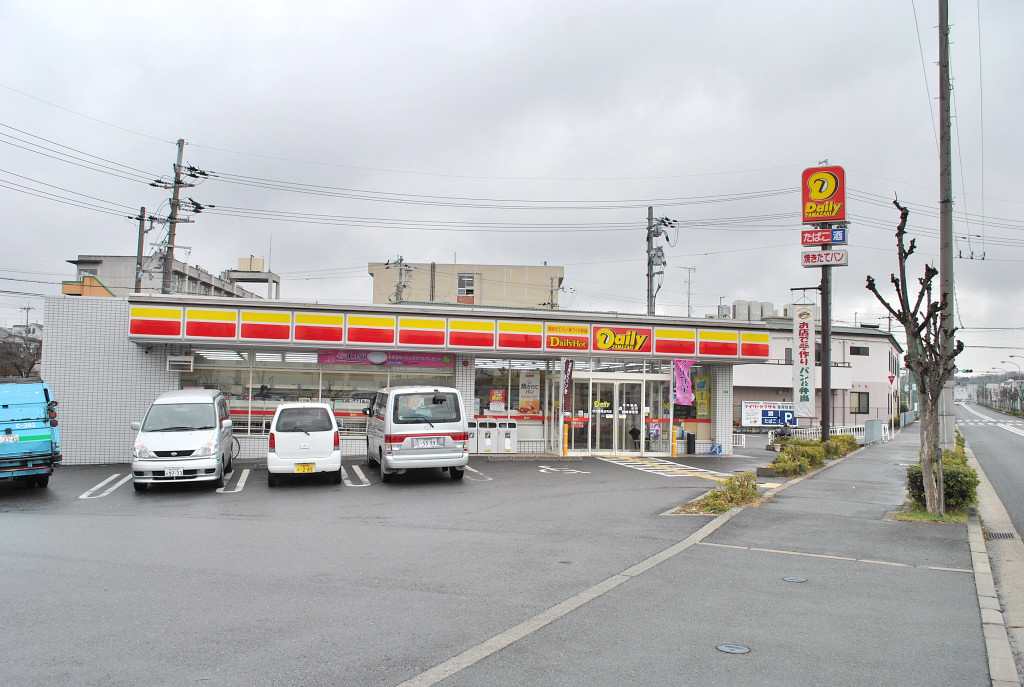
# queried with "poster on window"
point(529, 393)
point(702, 397)
point(497, 400)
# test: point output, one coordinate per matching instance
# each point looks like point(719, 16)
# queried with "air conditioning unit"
point(180, 363)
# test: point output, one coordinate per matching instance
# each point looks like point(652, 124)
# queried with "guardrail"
point(857, 431)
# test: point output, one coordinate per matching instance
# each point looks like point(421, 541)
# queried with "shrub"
point(786, 466)
point(959, 479)
point(736, 490)
point(840, 445)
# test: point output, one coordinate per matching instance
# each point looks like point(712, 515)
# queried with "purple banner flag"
point(684, 389)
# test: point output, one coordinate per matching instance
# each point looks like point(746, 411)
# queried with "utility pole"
point(689, 278)
point(138, 253)
point(172, 219)
point(946, 418)
point(402, 280)
point(26, 308)
point(655, 254)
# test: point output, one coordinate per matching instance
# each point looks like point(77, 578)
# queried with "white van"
point(186, 436)
point(417, 427)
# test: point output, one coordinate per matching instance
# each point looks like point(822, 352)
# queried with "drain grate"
point(1000, 535)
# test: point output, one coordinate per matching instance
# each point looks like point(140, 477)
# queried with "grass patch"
point(738, 490)
point(917, 513)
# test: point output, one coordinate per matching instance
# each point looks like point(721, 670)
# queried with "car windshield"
point(180, 417)
point(427, 407)
point(304, 420)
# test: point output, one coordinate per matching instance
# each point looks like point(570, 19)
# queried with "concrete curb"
point(1001, 659)
point(1001, 666)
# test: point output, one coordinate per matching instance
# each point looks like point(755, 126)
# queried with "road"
point(362, 583)
point(997, 440)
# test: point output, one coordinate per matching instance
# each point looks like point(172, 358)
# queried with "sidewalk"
point(862, 491)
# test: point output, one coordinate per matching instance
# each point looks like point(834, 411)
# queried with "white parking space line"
point(476, 475)
point(239, 485)
point(363, 482)
point(90, 495)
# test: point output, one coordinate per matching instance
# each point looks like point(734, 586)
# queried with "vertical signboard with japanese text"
point(803, 360)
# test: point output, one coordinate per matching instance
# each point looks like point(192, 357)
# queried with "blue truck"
point(29, 432)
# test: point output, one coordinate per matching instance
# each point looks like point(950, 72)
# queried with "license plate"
point(9, 438)
point(305, 467)
point(174, 472)
point(427, 443)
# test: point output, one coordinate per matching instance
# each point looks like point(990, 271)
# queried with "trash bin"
point(691, 443)
point(471, 424)
point(508, 437)
point(487, 436)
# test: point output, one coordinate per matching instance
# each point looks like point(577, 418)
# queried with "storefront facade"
point(510, 365)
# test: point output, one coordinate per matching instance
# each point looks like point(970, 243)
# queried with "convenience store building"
point(107, 358)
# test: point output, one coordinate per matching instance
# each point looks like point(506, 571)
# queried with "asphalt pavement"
point(819, 584)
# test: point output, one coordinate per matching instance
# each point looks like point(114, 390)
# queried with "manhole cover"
point(795, 579)
point(733, 649)
point(1000, 535)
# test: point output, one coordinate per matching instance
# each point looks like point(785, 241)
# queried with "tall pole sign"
point(823, 201)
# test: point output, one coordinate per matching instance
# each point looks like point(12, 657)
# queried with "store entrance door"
point(602, 417)
point(629, 419)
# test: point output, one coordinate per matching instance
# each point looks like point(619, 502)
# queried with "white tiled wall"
point(721, 406)
point(101, 381)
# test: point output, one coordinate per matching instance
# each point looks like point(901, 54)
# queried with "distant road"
point(998, 442)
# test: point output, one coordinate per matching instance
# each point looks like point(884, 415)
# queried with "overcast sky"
point(517, 132)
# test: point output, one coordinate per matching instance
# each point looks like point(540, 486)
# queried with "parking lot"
point(310, 582)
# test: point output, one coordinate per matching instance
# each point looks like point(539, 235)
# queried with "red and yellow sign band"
point(471, 333)
point(718, 343)
point(421, 331)
point(211, 324)
point(264, 325)
point(754, 344)
point(521, 335)
point(160, 322)
point(371, 329)
point(319, 327)
point(675, 341)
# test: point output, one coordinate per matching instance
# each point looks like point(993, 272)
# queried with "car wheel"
point(384, 476)
point(42, 481)
point(220, 481)
point(229, 467)
point(140, 486)
point(369, 455)
point(336, 476)
point(457, 473)
point(271, 479)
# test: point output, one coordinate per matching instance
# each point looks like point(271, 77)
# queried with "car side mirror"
point(226, 424)
point(266, 424)
point(366, 411)
point(136, 426)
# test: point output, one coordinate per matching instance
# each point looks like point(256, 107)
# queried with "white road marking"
point(363, 482)
point(89, 494)
point(1008, 428)
point(564, 471)
point(665, 468)
point(239, 485)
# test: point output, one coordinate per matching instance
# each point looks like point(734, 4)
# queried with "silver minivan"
point(186, 436)
point(411, 427)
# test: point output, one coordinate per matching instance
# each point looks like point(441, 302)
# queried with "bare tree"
point(19, 354)
point(925, 358)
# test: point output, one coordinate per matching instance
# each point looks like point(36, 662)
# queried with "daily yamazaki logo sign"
point(622, 339)
point(823, 194)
